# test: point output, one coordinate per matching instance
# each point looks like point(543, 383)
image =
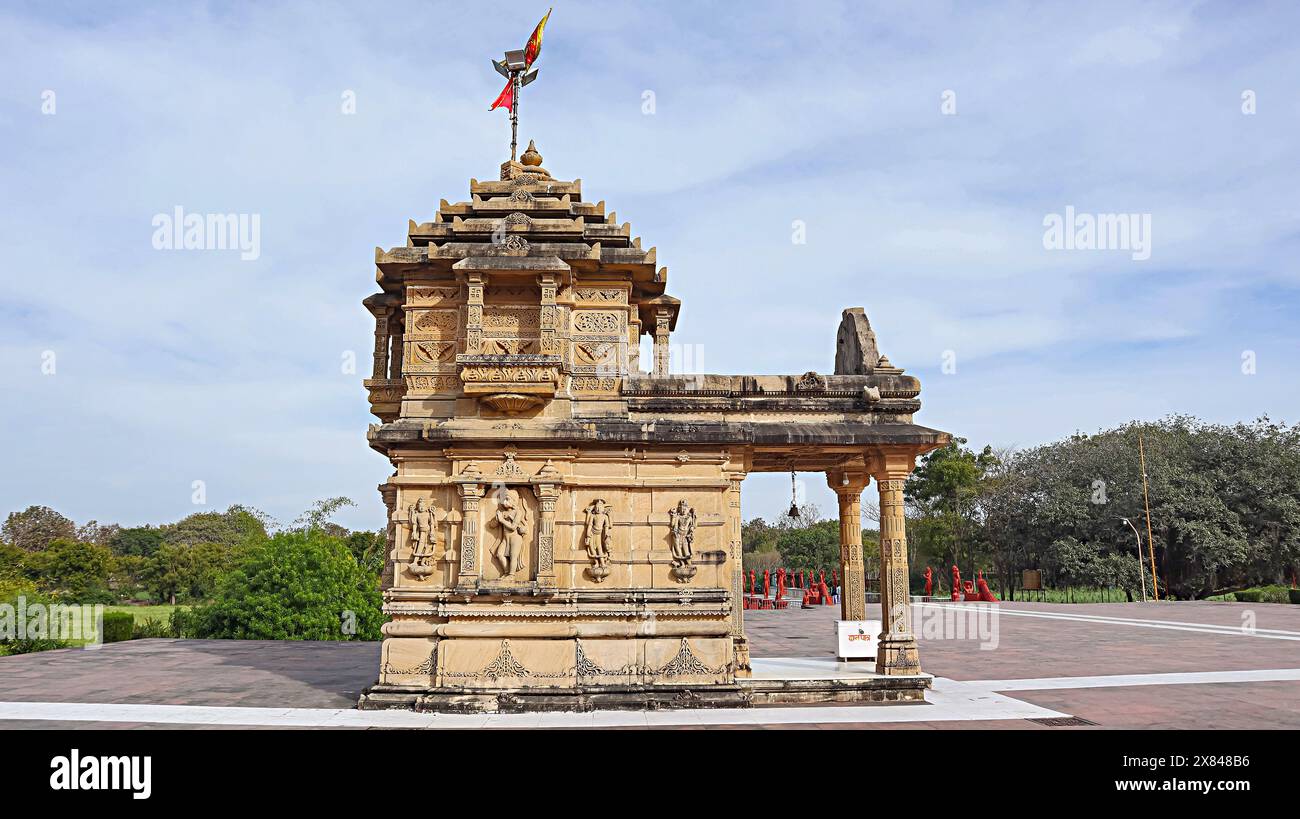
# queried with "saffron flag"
point(506, 99)
point(534, 46)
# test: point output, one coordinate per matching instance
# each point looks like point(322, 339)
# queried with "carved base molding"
point(898, 657)
point(581, 699)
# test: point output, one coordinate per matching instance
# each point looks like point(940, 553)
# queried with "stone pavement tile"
point(1037, 647)
point(1267, 705)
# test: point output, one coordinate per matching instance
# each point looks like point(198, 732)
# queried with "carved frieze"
point(432, 352)
point(597, 321)
point(603, 295)
point(432, 383)
point(504, 374)
point(439, 323)
point(425, 296)
point(502, 320)
point(589, 383)
point(599, 353)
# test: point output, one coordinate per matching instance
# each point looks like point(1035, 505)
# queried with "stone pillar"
point(471, 493)
point(740, 643)
point(382, 318)
point(848, 488)
point(897, 652)
point(388, 491)
point(547, 495)
point(549, 320)
point(395, 360)
point(474, 312)
point(661, 350)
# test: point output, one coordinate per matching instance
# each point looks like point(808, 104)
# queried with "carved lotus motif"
point(510, 402)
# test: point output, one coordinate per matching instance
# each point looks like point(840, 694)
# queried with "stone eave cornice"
point(479, 230)
point(687, 431)
point(792, 404)
point(541, 187)
point(397, 257)
point(640, 266)
point(504, 263)
point(880, 384)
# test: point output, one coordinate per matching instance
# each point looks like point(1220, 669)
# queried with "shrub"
point(182, 623)
point(1264, 594)
point(1293, 595)
point(10, 590)
point(117, 626)
point(151, 628)
point(302, 585)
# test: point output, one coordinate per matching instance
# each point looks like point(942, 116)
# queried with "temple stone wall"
point(468, 615)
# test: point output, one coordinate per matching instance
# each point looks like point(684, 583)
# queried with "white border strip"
point(1172, 625)
point(949, 701)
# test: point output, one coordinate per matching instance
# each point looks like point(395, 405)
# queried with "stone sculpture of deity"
point(595, 538)
point(512, 518)
point(681, 522)
point(423, 519)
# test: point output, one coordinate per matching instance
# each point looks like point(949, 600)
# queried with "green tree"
point(194, 572)
point(11, 562)
point(812, 547)
point(138, 540)
point(36, 527)
point(318, 516)
point(237, 526)
point(368, 549)
point(758, 536)
point(944, 493)
point(301, 585)
point(71, 570)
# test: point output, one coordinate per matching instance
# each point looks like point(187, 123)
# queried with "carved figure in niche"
point(512, 519)
point(595, 537)
point(681, 521)
point(423, 538)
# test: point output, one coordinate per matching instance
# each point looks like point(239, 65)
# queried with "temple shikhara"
point(564, 518)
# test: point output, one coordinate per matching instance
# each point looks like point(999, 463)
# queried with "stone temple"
point(564, 526)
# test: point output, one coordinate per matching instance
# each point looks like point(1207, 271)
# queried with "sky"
point(788, 161)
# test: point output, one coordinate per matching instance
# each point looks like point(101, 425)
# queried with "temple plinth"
point(565, 529)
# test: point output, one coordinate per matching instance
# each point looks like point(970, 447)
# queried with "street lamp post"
point(1141, 570)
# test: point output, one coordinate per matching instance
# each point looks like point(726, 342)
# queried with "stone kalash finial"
point(529, 166)
point(531, 156)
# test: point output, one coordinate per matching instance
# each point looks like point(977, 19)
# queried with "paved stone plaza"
point(1183, 665)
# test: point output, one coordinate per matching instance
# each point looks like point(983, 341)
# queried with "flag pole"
point(1146, 502)
point(514, 114)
